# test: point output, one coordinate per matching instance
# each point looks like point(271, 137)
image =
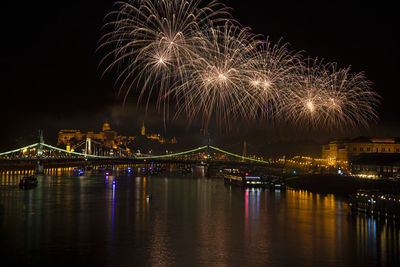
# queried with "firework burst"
point(270, 67)
point(349, 99)
point(218, 74)
point(304, 97)
point(152, 39)
point(194, 53)
point(325, 96)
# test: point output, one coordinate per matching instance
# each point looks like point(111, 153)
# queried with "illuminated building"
point(346, 150)
point(376, 165)
point(109, 137)
point(156, 136)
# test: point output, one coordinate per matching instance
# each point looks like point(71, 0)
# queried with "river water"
point(189, 221)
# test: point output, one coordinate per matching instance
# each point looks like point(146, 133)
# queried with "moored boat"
point(79, 171)
point(386, 205)
point(28, 182)
point(277, 184)
point(237, 177)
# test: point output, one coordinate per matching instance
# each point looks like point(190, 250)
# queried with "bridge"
point(41, 155)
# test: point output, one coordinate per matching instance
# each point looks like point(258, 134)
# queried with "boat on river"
point(27, 182)
point(373, 202)
point(244, 178)
point(277, 184)
point(79, 171)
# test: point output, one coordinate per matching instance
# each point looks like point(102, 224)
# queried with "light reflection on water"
point(103, 220)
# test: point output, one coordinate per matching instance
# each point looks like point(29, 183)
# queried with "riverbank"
point(341, 185)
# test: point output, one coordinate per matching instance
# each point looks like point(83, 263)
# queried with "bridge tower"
point(244, 150)
point(283, 166)
point(208, 151)
point(39, 151)
point(208, 159)
point(88, 146)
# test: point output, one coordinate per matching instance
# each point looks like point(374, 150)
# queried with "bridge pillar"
point(39, 167)
point(212, 170)
point(39, 150)
point(88, 146)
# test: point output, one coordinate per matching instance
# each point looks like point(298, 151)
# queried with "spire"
point(143, 131)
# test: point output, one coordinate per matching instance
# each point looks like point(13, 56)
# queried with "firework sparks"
point(217, 83)
point(325, 96)
point(270, 69)
point(151, 40)
point(194, 53)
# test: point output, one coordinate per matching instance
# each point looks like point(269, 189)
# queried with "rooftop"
point(364, 139)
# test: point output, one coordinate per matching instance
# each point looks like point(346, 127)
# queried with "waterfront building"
point(346, 150)
point(377, 165)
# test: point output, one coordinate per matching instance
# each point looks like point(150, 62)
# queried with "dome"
point(106, 127)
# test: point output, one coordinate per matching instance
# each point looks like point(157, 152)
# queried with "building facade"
point(377, 165)
point(70, 138)
point(109, 137)
point(346, 150)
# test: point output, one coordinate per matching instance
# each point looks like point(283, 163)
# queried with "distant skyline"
point(51, 80)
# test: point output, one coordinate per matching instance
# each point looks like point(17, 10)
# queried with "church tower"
point(143, 131)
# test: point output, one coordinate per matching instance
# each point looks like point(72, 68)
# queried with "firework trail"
point(321, 95)
point(216, 84)
point(349, 99)
point(271, 67)
point(151, 39)
point(194, 54)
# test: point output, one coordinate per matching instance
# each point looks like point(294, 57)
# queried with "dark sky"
point(50, 78)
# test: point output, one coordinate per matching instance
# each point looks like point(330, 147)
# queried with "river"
point(98, 220)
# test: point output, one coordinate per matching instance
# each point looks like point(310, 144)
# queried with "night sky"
point(50, 76)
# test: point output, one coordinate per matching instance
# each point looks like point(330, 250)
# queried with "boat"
point(78, 171)
point(244, 178)
point(277, 184)
point(374, 202)
point(27, 182)
point(187, 170)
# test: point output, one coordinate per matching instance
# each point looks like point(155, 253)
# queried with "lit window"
point(368, 149)
point(361, 149)
point(383, 149)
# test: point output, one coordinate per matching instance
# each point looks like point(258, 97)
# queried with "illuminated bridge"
point(41, 155)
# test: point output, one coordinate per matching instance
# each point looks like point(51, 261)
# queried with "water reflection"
point(378, 237)
point(108, 220)
point(252, 210)
point(113, 208)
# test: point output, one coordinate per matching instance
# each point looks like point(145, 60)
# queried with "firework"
point(325, 96)
point(349, 99)
point(216, 83)
point(194, 53)
point(270, 70)
point(151, 39)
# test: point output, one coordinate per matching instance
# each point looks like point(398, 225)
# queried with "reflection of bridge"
point(41, 154)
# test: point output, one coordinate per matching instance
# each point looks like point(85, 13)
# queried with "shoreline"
point(341, 185)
